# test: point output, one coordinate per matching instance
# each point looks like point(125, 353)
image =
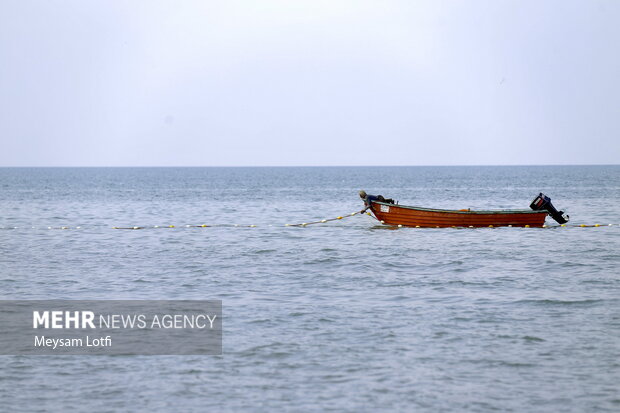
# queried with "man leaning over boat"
point(368, 199)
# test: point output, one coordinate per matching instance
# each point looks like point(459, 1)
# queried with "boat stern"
point(543, 203)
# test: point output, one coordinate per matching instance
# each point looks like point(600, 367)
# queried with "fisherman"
point(369, 198)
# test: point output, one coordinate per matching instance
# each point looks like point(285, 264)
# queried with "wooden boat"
point(390, 213)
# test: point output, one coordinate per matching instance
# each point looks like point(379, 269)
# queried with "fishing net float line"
point(302, 225)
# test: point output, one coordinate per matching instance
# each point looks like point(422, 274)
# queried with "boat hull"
point(407, 216)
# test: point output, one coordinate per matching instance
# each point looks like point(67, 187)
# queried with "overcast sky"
point(213, 83)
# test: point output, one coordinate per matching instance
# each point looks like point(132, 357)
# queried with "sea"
point(343, 316)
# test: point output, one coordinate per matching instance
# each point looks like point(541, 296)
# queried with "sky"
point(279, 83)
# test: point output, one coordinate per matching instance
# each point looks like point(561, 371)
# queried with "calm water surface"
point(345, 316)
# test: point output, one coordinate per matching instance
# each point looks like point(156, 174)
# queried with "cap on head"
point(362, 194)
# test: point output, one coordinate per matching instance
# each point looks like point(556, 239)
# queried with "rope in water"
point(303, 224)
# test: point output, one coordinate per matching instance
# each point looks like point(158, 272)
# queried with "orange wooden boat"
point(390, 213)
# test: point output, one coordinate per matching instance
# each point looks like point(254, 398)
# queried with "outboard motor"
point(543, 202)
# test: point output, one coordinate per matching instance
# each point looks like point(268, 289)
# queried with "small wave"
point(297, 314)
point(261, 321)
point(326, 260)
point(191, 371)
point(515, 364)
point(264, 251)
point(560, 302)
point(533, 338)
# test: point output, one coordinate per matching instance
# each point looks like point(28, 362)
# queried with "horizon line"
point(297, 166)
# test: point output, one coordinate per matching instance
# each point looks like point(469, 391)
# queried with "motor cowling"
point(543, 202)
